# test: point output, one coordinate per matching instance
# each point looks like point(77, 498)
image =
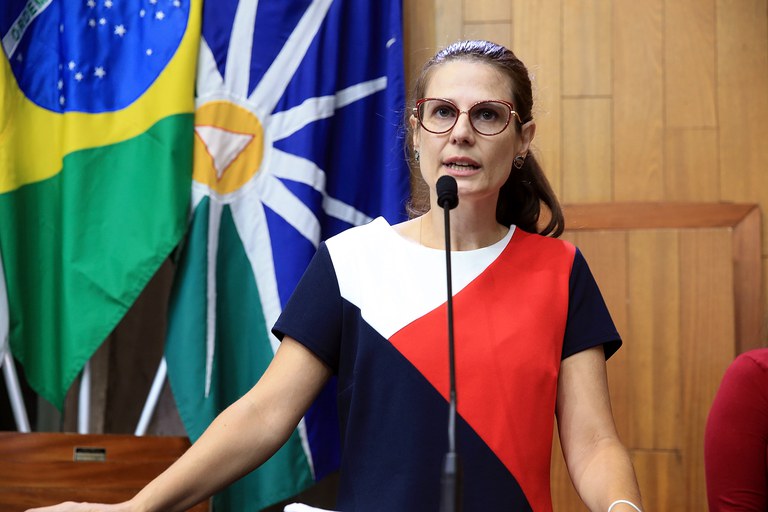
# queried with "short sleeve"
point(588, 323)
point(313, 314)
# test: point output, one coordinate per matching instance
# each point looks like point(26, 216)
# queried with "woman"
point(736, 437)
point(532, 332)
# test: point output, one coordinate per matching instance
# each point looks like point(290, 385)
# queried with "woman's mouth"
point(461, 168)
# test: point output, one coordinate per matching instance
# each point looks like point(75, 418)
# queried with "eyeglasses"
point(490, 117)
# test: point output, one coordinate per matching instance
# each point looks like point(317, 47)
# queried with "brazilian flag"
point(96, 134)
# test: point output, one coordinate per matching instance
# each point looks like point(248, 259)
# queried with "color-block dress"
point(371, 305)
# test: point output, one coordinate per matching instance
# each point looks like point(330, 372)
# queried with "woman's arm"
point(241, 438)
point(598, 463)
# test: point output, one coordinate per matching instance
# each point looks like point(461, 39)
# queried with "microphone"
point(450, 483)
point(447, 194)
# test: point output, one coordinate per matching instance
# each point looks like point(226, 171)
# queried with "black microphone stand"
point(450, 484)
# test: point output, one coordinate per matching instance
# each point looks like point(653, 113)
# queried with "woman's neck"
point(471, 228)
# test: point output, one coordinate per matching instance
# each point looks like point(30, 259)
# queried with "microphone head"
point(447, 192)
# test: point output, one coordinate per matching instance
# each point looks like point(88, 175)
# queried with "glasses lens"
point(438, 115)
point(489, 117)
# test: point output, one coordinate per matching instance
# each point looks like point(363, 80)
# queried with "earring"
point(416, 155)
point(518, 162)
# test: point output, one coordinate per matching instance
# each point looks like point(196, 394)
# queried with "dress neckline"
point(384, 225)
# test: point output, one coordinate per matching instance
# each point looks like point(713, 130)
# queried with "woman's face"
point(480, 163)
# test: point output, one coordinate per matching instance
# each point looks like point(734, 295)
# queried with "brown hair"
point(521, 196)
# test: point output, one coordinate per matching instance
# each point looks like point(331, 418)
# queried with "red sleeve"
point(736, 437)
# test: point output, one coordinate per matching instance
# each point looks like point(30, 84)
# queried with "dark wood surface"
point(39, 469)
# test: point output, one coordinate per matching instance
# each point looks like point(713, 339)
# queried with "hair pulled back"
point(520, 198)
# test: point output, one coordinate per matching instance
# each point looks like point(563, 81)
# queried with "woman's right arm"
point(240, 439)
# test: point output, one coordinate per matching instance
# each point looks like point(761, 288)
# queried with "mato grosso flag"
point(96, 131)
point(298, 136)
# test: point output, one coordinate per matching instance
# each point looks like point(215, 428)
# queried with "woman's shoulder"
point(752, 361)
point(540, 242)
point(376, 235)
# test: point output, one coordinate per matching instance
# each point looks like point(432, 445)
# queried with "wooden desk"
point(39, 469)
point(683, 284)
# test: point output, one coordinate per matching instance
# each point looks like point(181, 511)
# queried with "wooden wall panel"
point(487, 10)
point(448, 22)
point(751, 321)
point(587, 49)
point(654, 305)
point(419, 37)
point(742, 79)
point(587, 176)
point(707, 284)
point(689, 64)
point(661, 475)
point(673, 277)
point(638, 100)
point(498, 32)
point(536, 40)
point(691, 170)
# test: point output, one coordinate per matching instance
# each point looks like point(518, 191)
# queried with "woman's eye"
point(487, 115)
point(444, 112)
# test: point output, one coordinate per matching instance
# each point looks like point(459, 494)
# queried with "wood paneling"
point(419, 37)
point(656, 215)
point(707, 320)
point(654, 323)
point(691, 171)
point(587, 176)
point(638, 100)
point(449, 24)
point(661, 478)
point(587, 48)
point(499, 32)
point(537, 41)
point(689, 64)
point(751, 321)
point(742, 81)
point(487, 10)
point(679, 280)
point(686, 81)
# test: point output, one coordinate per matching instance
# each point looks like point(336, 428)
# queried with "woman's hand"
point(71, 506)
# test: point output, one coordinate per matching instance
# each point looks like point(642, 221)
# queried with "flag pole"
point(14, 393)
point(84, 400)
point(154, 395)
point(6, 360)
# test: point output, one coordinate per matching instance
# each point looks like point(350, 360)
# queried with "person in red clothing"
point(736, 437)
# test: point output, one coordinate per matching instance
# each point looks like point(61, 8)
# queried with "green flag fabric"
point(96, 127)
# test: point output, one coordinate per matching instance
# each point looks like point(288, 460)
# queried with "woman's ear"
point(415, 130)
point(527, 132)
